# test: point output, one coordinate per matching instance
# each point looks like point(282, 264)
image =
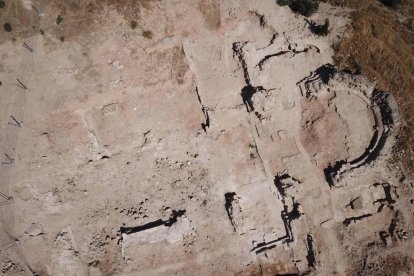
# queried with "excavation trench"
point(172, 219)
point(206, 124)
point(310, 257)
point(378, 103)
point(283, 182)
point(229, 199)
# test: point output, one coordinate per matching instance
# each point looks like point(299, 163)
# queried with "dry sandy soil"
point(193, 138)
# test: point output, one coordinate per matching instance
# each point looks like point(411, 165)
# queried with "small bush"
point(62, 38)
point(2, 4)
point(358, 69)
point(282, 2)
point(7, 27)
point(321, 30)
point(133, 24)
point(90, 7)
point(304, 7)
point(391, 3)
point(59, 19)
point(42, 32)
point(147, 34)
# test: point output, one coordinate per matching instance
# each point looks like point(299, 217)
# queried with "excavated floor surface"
point(193, 138)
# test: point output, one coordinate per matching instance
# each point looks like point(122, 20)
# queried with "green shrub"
point(7, 27)
point(59, 19)
point(321, 30)
point(391, 3)
point(282, 2)
point(2, 4)
point(357, 68)
point(303, 7)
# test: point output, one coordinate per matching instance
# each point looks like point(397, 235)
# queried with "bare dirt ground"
point(193, 138)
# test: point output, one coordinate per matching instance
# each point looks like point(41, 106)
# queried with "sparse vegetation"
point(42, 32)
point(59, 19)
point(303, 7)
point(147, 34)
point(133, 24)
point(321, 30)
point(211, 13)
point(62, 38)
point(91, 7)
point(2, 4)
point(7, 27)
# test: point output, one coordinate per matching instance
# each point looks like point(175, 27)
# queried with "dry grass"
point(382, 45)
point(211, 13)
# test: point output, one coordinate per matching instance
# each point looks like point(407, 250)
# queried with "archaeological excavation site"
point(198, 137)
